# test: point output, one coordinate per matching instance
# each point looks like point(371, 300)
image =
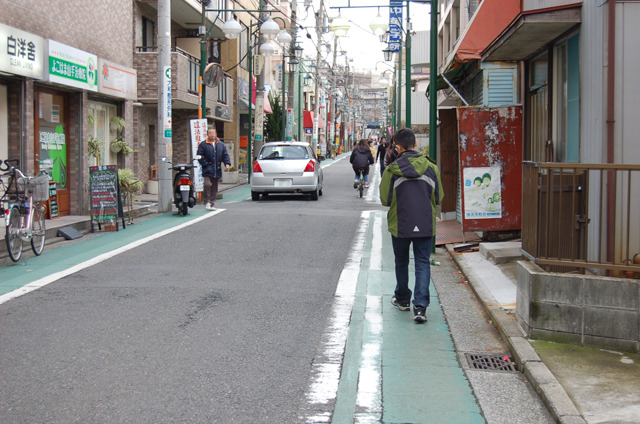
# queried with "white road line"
point(326, 371)
point(100, 258)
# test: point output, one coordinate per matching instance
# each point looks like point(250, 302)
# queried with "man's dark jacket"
point(213, 156)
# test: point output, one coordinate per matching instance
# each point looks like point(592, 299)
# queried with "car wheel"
point(314, 194)
point(255, 195)
point(320, 192)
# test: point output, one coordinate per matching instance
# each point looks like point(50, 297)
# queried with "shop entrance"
point(52, 140)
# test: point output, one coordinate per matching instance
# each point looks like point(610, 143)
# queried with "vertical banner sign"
point(395, 24)
point(198, 135)
point(259, 122)
point(289, 126)
point(166, 102)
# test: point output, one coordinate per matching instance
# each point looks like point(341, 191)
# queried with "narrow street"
point(275, 311)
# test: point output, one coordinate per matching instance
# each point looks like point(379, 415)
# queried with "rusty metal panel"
point(492, 138)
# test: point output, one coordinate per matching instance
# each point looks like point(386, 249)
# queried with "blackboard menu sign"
point(105, 200)
point(53, 200)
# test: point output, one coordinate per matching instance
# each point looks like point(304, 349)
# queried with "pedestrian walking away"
point(361, 158)
point(213, 154)
point(382, 151)
point(412, 188)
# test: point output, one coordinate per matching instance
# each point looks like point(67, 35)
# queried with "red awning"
point(491, 18)
point(307, 119)
point(267, 104)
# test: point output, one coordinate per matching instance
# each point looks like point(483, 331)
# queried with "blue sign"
point(395, 24)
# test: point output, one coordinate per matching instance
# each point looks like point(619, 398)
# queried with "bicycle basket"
point(39, 186)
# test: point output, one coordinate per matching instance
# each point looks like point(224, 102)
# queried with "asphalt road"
point(217, 322)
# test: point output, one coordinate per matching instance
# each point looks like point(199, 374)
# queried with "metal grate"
point(490, 362)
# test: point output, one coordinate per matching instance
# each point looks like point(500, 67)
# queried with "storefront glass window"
point(52, 137)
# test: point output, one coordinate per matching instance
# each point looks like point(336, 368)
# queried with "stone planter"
point(152, 186)
point(230, 177)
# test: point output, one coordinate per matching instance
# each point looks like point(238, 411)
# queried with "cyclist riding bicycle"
point(361, 158)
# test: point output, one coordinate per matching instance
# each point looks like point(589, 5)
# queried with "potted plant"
point(230, 176)
point(118, 144)
point(95, 145)
point(129, 187)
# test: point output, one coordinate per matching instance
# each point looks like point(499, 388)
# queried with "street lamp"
point(340, 26)
point(379, 25)
point(388, 53)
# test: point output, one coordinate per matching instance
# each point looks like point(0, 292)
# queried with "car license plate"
point(282, 182)
point(184, 188)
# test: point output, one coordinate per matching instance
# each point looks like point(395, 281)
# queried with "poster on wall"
point(482, 193)
point(198, 135)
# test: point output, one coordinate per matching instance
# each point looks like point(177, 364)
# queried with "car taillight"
point(256, 167)
point(311, 167)
point(186, 181)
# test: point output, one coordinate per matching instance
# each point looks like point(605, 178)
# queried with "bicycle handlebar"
point(8, 162)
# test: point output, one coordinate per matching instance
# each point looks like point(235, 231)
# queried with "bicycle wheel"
point(361, 187)
point(14, 242)
point(37, 230)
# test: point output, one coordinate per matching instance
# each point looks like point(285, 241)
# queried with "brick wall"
point(101, 27)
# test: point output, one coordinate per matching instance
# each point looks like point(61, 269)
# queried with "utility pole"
point(408, 69)
point(259, 124)
point(164, 105)
point(316, 106)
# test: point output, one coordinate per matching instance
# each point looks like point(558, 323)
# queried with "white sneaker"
point(209, 207)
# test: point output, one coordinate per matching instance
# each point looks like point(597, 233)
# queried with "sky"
point(363, 48)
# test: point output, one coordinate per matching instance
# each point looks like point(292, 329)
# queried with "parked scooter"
point(184, 196)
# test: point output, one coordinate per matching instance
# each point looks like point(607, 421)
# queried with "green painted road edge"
point(421, 380)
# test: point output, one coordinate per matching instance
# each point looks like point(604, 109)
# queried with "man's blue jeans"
point(421, 255)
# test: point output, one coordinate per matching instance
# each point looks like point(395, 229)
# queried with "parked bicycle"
point(24, 217)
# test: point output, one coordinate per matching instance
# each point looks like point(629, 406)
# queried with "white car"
point(286, 167)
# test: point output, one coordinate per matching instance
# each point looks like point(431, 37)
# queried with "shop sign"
point(21, 53)
point(70, 66)
point(222, 112)
point(117, 80)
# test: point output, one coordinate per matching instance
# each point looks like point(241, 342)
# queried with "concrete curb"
point(543, 381)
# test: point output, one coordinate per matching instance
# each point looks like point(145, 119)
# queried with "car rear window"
point(284, 152)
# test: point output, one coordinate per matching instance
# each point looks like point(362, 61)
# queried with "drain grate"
point(490, 362)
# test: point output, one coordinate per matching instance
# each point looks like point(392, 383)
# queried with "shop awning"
point(307, 119)
point(530, 32)
point(491, 18)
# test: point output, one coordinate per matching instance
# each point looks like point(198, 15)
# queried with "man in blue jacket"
point(411, 187)
point(213, 154)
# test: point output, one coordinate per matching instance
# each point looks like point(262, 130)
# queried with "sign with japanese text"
point(117, 80)
point(21, 53)
point(482, 195)
point(198, 135)
point(259, 119)
point(166, 102)
point(288, 135)
point(104, 193)
point(395, 24)
point(70, 66)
